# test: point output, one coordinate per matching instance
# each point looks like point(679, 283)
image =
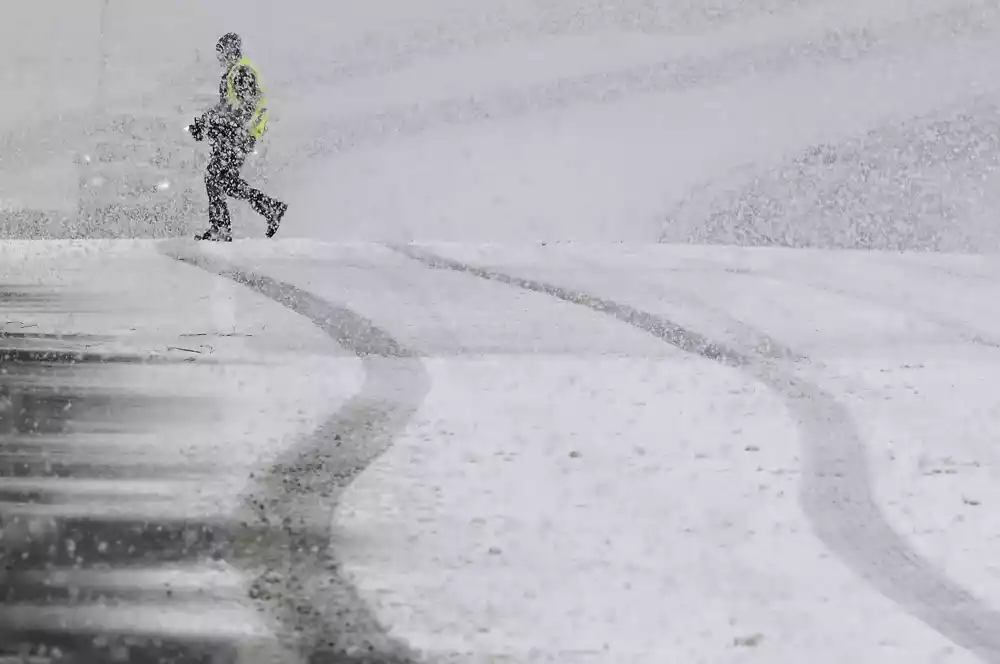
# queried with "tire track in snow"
point(298, 576)
point(836, 492)
point(965, 332)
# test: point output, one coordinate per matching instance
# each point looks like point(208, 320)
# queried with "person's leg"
point(215, 187)
point(262, 204)
point(270, 208)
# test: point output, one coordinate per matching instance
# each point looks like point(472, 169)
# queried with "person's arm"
point(247, 93)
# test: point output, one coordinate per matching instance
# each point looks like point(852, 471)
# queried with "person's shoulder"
point(243, 77)
point(243, 69)
point(246, 72)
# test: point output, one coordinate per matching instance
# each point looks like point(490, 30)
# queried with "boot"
point(274, 218)
point(216, 234)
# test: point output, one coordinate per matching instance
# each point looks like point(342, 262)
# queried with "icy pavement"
point(143, 401)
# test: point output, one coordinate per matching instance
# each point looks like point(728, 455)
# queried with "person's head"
point(229, 49)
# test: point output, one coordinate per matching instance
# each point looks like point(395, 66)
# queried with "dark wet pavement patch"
point(19, 299)
point(34, 400)
point(15, 296)
point(62, 646)
point(39, 348)
point(68, 417)
point(93, 542)
point(35, 459)
point(63, 429)
point(36, 356)
point(7, 336)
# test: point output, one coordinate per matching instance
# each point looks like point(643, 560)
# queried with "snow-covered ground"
point(575, 489)
point(583, 439)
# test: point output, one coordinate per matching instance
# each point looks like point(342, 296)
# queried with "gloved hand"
point(197, 129)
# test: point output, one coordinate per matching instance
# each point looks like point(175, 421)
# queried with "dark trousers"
point(223, 180)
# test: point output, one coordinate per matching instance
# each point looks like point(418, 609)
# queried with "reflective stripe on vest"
point(257, 124)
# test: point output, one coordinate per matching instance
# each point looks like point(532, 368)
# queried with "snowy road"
point(481, 401)
point(539, 494)
point(525, 496)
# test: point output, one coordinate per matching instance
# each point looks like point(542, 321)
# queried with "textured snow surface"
point(604, 496)
point(656, 400)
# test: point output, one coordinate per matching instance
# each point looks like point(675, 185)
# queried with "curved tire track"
point(965, 332)
point(286, 531)
point(836, 491)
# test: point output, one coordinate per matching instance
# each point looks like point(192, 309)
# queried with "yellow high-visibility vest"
point(257, 124)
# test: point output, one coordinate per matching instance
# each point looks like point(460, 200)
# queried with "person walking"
point(234, 126)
